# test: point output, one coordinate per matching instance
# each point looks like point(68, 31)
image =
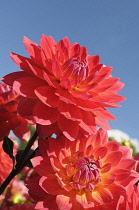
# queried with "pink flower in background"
point(85, 173)
point(18, 191)
point(9, 118)
point(16, 194)
point(63, 88)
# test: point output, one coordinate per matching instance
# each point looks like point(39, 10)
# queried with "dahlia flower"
point(82, 174)
point(131, 200)
point(5, 164)
point(18, 191)
point(9, 118)
point(63, 88)
point(128, 201)
point(137, 162)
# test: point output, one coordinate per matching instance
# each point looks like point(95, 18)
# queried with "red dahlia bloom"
point(9, 118)
point(63, 87)
point(81, 174)
point(137, 162)
point(128, 201)
point(5, 164)
point(131, 200)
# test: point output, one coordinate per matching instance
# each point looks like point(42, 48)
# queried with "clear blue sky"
point(107, 28)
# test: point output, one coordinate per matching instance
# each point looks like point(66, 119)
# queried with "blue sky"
point(107, 28)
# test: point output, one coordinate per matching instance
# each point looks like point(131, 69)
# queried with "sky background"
point(107, 28)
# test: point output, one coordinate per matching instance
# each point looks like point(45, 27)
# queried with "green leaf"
point(8, 147)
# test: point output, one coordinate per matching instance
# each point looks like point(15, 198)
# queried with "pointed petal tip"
point(11, 54)
point(25, 38)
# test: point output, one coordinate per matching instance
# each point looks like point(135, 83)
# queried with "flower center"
point(74, 72)
point(84, 173)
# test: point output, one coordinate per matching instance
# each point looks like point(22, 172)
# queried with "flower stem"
point(19, 165)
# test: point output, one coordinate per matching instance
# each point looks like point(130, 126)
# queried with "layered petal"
point(9, 116)
point(87, 173)
point(74, 85)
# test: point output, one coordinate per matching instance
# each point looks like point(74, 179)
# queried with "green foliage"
point(8, 148)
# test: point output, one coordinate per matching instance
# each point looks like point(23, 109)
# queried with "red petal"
point(25, 107)
point(22, 131)
point(55, 145)
point(88, 122)
point(70, 111)
point(65, 96)
point(22, 62)
point(66, 42)
point(93, 60)
point(40, 164)
point(108, 98)
point(116, 190)
point(116, 87)
point(47, 95)
point(102, 74)
point(104, 114)
point(5, 115)
point(50, 185)
point(74, 49)
point(25, 86)
point(127, 164)
point(32, 184)
point(83, 54)
point(85, 200)
point(56, 68)
point(41, 73)
point(47, 130)
point(112, 146)
point(49, 202)
point(80, 94)
point(106, 168)
point(87, 105)
point(103, 196)
point(132, 179)
point(100, 152)
point(64, 202)
point(108, 179)
point(113, 158)
point(102, 123)
point(121, 174)
point(33, 50)
point(127, 152)
point(63, 50)
point(105, 84)
point(97, 197)
point(45, 115)
point(10, 78)
point(4, 130)
point(48, 46)
point(68, 127)
point(92, 74)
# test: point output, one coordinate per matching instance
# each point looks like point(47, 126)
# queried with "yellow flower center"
point(74, 72)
